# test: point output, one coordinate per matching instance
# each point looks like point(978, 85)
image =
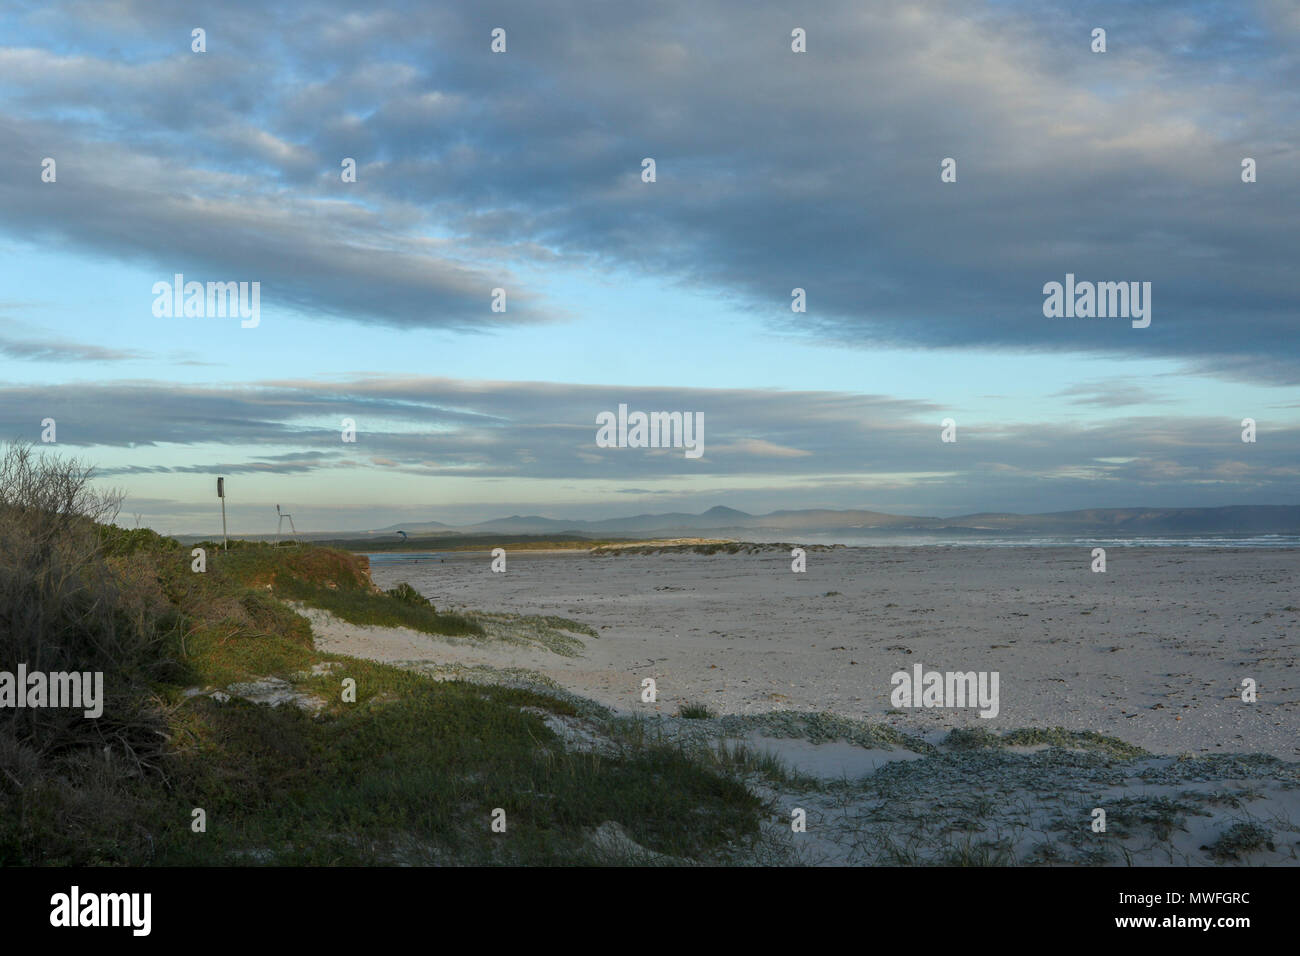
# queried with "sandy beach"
point(1153, 651)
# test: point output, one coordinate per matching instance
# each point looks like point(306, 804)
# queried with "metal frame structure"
point(279, 528)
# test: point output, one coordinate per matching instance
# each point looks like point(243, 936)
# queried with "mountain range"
point(728, 522)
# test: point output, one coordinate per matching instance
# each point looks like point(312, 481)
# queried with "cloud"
point(1115, 393)
point(318, 254)
point(61, 351)
point(759, 448)
point(775, 170)
point(532, 431)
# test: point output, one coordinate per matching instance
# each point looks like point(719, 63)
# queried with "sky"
point(774, 170)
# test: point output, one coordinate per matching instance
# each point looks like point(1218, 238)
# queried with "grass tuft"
point(695, 712)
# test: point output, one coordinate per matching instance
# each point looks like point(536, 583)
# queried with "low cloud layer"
point(840, 448)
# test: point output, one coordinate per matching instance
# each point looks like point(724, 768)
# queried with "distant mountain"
point(723, 522)
point(1236, 519)
point(418, 527)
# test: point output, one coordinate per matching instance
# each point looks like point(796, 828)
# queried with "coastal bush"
point(77, 596)
point(64, 609)
point(409, 595)
point(407, 772)
point(370, 608)
point(121, 542)
point(338, 582)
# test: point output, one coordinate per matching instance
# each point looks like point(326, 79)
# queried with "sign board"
point(221, 487)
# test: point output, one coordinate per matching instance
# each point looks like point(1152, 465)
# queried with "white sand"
point(1152, 651)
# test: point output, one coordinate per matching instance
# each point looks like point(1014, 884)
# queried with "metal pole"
point(221, 493)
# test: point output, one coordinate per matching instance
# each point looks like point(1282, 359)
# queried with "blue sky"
point(775, 170)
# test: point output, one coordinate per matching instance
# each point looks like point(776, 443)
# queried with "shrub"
point(409, 595)
point(62, 608)
point(695, 712)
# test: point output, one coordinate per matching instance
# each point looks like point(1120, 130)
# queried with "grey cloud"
point(1115, 393)
point(776, 170)
point(446, 427)
point(320, 255)
point(59, 351)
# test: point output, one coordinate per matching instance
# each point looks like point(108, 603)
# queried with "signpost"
point(221, 493)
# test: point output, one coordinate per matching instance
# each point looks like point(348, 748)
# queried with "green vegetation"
point(972, 738)
point(824, 727)
point(695, 712)
point(977, 738)
point(412, 772)
point(711, 547)
point(1240, 839)
point(1073, 740)
point(409, 772)
point(409, 595)
point(332, 580)
point(548, 631)
point(1159, 816)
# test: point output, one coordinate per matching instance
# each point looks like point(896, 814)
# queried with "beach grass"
point(1240, 839)
point(413, 770)
point(360, 763)
point(337, 582)
point(695, 712)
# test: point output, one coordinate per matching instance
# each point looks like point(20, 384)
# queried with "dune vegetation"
point(184, 767)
